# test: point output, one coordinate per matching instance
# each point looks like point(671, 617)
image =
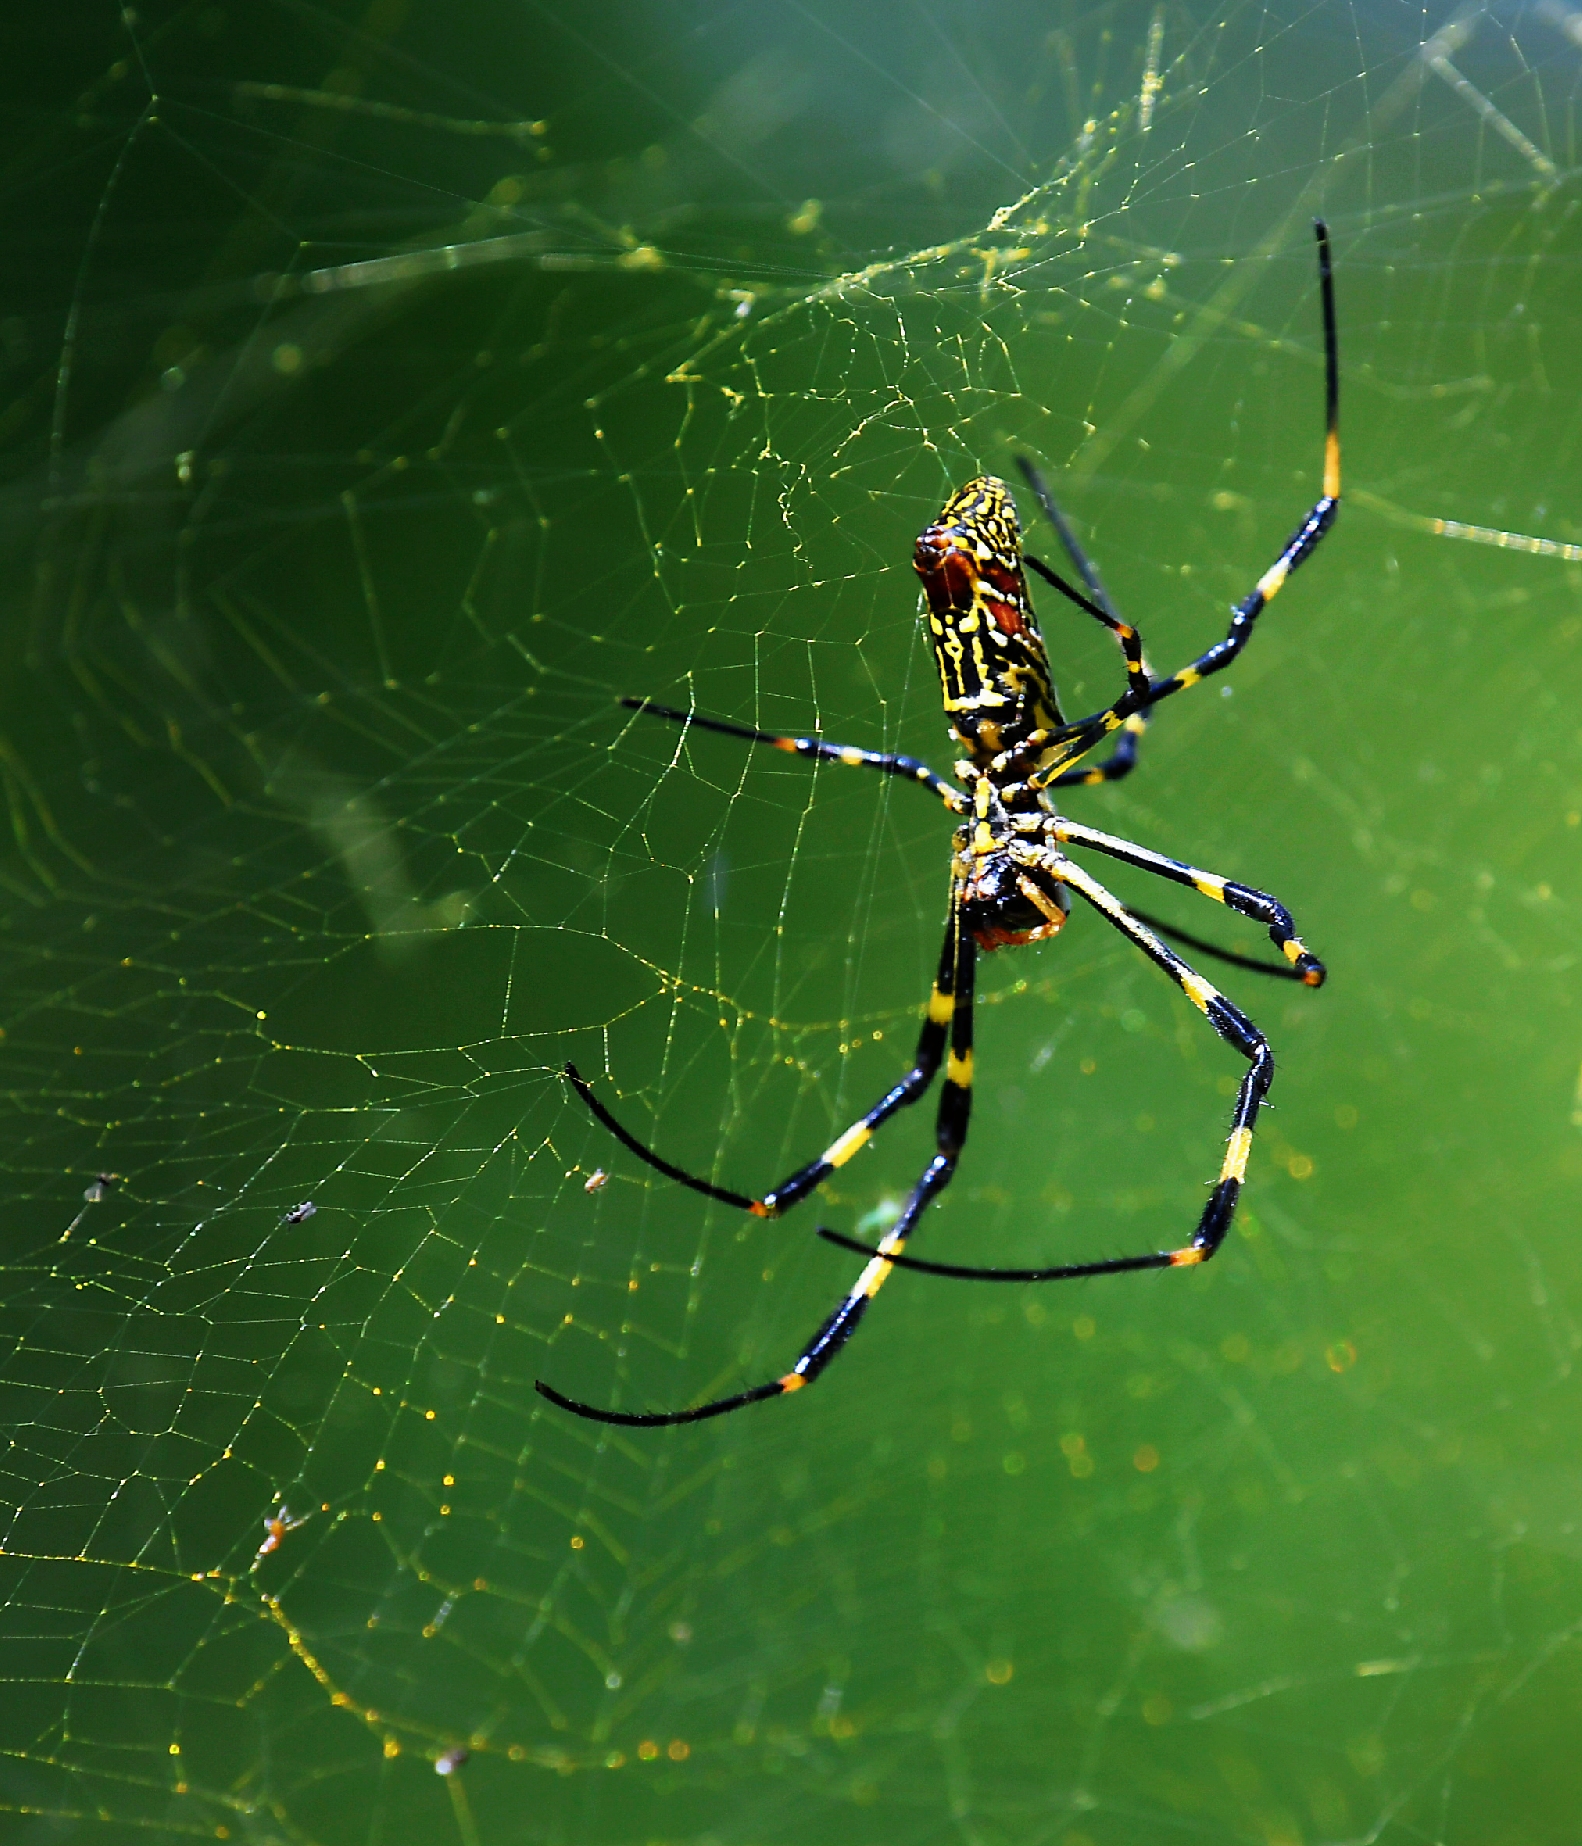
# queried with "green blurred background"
point(388, 388)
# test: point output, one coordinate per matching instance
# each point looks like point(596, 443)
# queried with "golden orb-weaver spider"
point(1010, 878)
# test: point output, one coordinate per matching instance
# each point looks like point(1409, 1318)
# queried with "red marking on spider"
point(1008, 607)
point(950, 575)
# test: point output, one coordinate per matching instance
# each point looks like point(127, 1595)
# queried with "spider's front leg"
point(1075, 740)
point(1306, 538)
point(1122, 760)
point(887, 762)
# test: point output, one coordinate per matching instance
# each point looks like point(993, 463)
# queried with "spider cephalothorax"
point(1010, 875)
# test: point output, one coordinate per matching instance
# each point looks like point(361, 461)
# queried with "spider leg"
point(1304, 541)
point(1137, 681)
point(1123, 758)
point(1087, 570)
point(1074, 740)
point(886, 762)
point(1227, 1020)
point(1281, 970)
point(937, 1024)
point(955, 1104)
point(1241, 898)
point(1120, 763)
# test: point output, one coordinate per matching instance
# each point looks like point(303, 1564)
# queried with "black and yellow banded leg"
point(1173, 932)
point(1120, 763)
point(1097, 601)
point(1051, 752)
point(1086, 569)
point(886, 762)
point(1228, 1021)
point(948, 1019)
point(1041, 753)
point(937, 1026)
point(1232, 1025)
point(1305, 540)
point(955, 1104)
point(950, 1134)
point(1057, 750)
point(1123, 759)
point(1245, 613)
point(1243, 899)
point(1078, 738)
point(1137, 680)
point(832, 1335)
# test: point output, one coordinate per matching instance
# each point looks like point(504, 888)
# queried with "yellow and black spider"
point(1010, 877)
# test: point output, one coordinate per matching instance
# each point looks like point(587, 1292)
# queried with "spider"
point(1010, 876)
point(276, 1526)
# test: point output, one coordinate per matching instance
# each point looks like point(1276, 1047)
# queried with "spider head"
point(993, 670)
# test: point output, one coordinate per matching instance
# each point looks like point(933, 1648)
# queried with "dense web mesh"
point(389, 392)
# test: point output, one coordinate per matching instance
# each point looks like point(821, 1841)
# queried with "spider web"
point(384, 403)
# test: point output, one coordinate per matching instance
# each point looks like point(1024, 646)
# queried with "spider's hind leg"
point(1119, 764)
point(938, 1024)
point(1228, 1021)
point(1084, 734)
point(955, 1105)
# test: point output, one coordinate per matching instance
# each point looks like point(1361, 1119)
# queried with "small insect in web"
point(299, 1214)
point(276, 1526)
point(596, 1181)
point(1011, 878)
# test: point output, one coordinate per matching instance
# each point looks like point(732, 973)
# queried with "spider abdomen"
point(993, 670)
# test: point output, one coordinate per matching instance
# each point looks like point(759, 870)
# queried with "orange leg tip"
point(1184, 1259)
point(760, 1210)
point(785, 743)
point(792, 1381)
